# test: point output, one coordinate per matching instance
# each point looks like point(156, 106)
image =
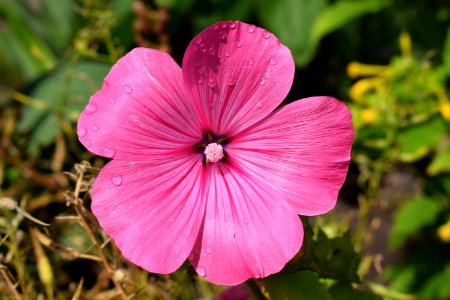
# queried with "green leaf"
point(440, 163)
point(20, 46)
point(416, 142)
point(412, 217)
point(340, 13)
point(446, 52)
point(344, 291)
point(438, 284)
point(292, 22)
point(336, 257)
point(303, 285)
point(63, 94)
point(301, 24)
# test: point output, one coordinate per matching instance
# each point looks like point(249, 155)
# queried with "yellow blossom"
point(356, 69)
point(368, 115)
point(362, 86)
point(405, 44)
point(443, 232)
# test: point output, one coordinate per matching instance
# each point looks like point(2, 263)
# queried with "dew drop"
point(132, 163)
point(266, 34)
point(88, 143)
point(238, 44)
point(251, 28)
point(231, 82)
point(198, 41)
point(95, 128)
point(249, 62)
point(209, 250)
point(212, 51)
point(263, 81)
point(127, 89)
point(91, 108)
point(233, 25)
point(112, 101)
point(201, 271)
point(227, 219)
point(81, 131)
point(117, 180)
point(212, 82)
point(222, 36)
point(216, 26)
point(272, 61)
point(224, 25)
point(259, 104)
point(108, 152)
point(204, 50)
point(200, 80)
point(227, 54)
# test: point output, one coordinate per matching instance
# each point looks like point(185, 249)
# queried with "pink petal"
point(303, 150)
point(141, 109)
point(249, 230)
point(153, 210)
point(236, 74)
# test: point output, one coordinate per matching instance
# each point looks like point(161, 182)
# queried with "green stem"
point(256, 291)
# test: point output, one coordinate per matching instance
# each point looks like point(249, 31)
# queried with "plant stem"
point(256, 291)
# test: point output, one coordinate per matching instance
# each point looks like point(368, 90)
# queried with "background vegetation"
point(389, 236)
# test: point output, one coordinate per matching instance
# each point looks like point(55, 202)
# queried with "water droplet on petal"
point(263, 81)
point(212, 82)
point(127, 89)
point(233, 25)
point(231, 82)
point(108, 152)
point(251, 28)
point(198, 41)
point(259, 104)
point(272, 61)
point(95, 128)
point(227, 54)
point(209, 250)
point(249, 62)
point(266, 34)
point(224, 25)
point(212, 51)
point(227, 218)
point(81, 131)
point(201, 271)
point(201, 79)
point(112, 101)
point(88, 143)
point(117, 180)
point(238, 44)
point(91, 108)
point(245, 221)
point(222, 36)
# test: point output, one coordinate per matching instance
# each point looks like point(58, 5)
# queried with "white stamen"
point(213, 152)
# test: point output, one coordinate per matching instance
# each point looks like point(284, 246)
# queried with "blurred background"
point(388, 238)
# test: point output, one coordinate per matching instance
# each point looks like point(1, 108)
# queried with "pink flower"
point(202, 167)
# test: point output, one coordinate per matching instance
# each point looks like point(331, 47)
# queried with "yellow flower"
point(362, 86)
point(368, 115)
point(443, 232)
point(356, 69)
point(405, 44)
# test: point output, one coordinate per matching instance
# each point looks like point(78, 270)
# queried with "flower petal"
point(249, 231)
point(303, 150)
point(151, 209)
point(236, 74)
point(141, 109)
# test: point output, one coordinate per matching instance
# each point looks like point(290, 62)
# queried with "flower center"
point(213, 152)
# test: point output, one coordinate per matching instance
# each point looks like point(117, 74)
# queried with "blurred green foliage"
point(389, 237)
